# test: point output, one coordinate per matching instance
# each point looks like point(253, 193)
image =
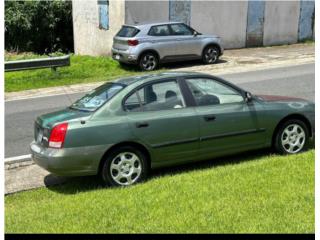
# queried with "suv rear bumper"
point(124, 56)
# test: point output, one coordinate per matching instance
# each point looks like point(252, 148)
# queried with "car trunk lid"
point(44, 123)
point(120, 41)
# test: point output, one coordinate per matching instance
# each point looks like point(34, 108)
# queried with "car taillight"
point(57, 135)
point(133, 42)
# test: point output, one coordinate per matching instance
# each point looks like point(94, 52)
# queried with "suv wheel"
point(292, 137)
point(124, 166)
point(148, 61)
point(210, 55)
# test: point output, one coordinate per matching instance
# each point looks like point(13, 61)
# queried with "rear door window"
point(154, 97)
point(127, 31)
point(160, 30)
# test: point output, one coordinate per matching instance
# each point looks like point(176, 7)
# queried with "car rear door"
point(228, 124)
point(159, 118)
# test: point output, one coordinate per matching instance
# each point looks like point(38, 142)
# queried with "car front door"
point(188, 44)
point(228, 123)
point(160, 119)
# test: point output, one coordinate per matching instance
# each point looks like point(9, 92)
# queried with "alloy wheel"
point(125, 168)
point(149, 62)
point(211, 55)
point(293, 138)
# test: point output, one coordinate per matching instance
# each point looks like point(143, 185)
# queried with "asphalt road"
point(298, 81)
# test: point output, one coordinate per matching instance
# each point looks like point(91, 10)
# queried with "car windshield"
point(93, 100)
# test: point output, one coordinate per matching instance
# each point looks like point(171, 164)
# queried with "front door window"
point(209, 92)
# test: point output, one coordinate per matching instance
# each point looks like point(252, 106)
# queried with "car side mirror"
point(195, 33)
point(248, 97)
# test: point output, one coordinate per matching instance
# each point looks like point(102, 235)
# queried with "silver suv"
point(150, 44)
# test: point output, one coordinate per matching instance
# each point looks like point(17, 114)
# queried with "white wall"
point(146, 11)
point(281, 22)
point(88, 38)
point(227, 19)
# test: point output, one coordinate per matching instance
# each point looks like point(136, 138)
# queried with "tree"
point(38, 26)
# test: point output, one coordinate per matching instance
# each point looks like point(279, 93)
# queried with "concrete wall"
point(228, 19)
point(238, 23)
point(146, 11)
point(89, 39)
point(281, 22)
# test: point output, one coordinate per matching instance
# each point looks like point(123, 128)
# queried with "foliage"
point(38, 26)
point(251, 193)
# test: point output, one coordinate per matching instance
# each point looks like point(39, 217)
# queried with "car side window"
point(160, 30)
point(155, 97)
point(180, 29)
point(211, 92)
point(133, 103)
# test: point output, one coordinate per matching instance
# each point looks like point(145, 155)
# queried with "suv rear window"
point(127, 31)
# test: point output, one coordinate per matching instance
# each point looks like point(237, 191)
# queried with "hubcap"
point(125, 168)
point(211, 55)
point(149, 62)
point(293, 138)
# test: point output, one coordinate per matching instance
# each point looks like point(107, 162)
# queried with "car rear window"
point(93, 100)
point(127, 31)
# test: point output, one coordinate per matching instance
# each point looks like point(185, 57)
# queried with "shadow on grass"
point(73, 185)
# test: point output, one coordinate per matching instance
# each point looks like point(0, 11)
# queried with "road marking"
point(17, 158)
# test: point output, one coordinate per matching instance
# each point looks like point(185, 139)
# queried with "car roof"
point(148, 25)
point(156, 76)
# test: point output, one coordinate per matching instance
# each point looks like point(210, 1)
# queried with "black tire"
point(280, 139)
point(210, 54)
point(148, 61)
point(108, 175)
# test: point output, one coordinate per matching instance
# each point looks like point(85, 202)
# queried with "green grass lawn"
point(257, 192)
point(83, 69)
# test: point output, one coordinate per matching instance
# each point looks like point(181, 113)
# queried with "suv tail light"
point(133, 42)
point(57, 135)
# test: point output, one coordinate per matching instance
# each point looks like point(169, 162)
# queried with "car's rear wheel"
point(124, 166)
point(210, 54)
point(292, 137)
point(148, 61)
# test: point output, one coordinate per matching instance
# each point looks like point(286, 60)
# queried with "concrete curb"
point(15, 162)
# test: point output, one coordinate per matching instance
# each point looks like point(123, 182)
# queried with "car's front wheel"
point(148, 61)
point(210, 54)
point(292, 137)
point(124, 166)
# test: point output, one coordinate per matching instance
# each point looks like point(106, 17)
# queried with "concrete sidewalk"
point(237, 60)
point(29, 177)
point(26, 176)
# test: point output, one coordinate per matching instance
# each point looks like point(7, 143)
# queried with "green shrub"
point(38, 26)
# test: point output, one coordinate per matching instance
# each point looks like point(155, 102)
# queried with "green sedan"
point(126, 127)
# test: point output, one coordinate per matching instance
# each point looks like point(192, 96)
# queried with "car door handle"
point(209, 118)
point(142, 124)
